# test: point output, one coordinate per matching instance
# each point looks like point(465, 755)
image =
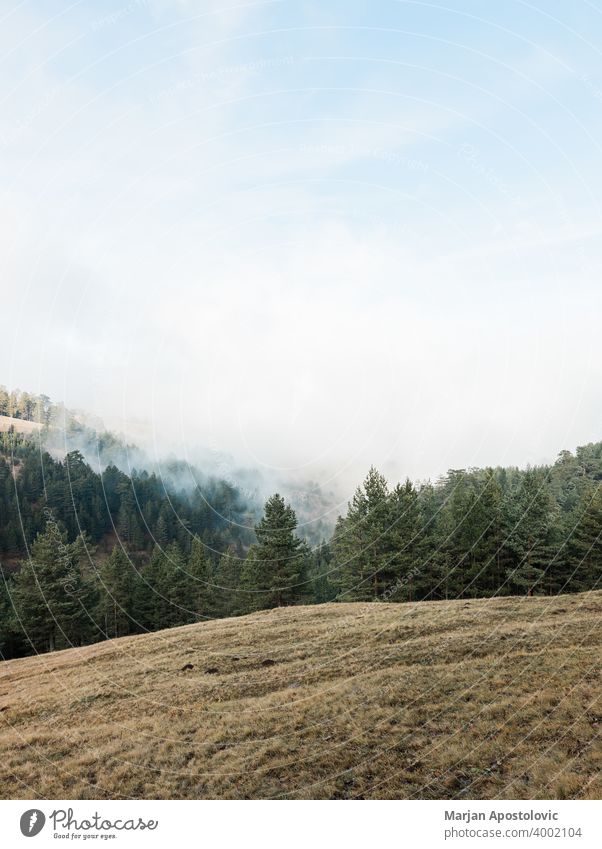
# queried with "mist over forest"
point(63, 431)
point(97, 541)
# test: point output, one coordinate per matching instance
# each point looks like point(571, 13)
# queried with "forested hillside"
point(91, 554)
point(141, 509)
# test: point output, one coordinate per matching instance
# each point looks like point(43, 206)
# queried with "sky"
point(312, 236)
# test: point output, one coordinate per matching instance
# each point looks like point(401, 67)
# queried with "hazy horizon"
point(312, 247)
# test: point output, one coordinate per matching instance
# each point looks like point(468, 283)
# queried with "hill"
point(8, 423)
point(496, 698)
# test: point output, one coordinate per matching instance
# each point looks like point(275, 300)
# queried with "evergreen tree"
point(278, 561)
point(476, 507)
point(176, 587)
point(360, 542)
point(53, 596)
point(151, 601)
point(116, 594)
point(323, 589)
point(530, 519)
point(226, 583)
point(586, 562)
point(405, 572)
point(162, 534)
point(199, 581)
point(10, 643)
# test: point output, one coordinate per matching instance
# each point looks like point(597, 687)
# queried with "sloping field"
point(18, 425)
point(465, 699)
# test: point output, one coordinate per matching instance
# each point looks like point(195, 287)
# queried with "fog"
point(270, 247)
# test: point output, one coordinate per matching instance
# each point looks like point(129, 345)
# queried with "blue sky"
point(317, 235)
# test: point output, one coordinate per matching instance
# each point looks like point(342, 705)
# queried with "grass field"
point(491, 698)
point(18, 425)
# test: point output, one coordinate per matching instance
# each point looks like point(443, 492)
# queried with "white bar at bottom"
point(303, 824)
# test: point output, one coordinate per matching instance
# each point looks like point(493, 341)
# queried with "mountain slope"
point(491, 698)
point(18, 425)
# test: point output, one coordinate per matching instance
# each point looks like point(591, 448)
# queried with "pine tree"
point(162, 529)
point(176, 588)
point(490, 545)
point(127, 519)
point(320, 574)
point(586, 562)
point(153, 609)
point(117, 587)
point(405, 572)
point(530, 520)
point(478, 539)
point(360, 542)
point(199, 581)
point(54, 598)
point(277, 563)
point(10, 644)
point(226, 580)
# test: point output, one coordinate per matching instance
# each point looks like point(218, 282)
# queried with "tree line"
point(27, 406)
point(183, 558)
point(64, 595)
point(140, 509)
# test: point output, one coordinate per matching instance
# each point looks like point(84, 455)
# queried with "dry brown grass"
point(466, 699)
point(18, 425)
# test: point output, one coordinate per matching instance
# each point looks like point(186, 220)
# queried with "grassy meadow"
point(467, 699)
